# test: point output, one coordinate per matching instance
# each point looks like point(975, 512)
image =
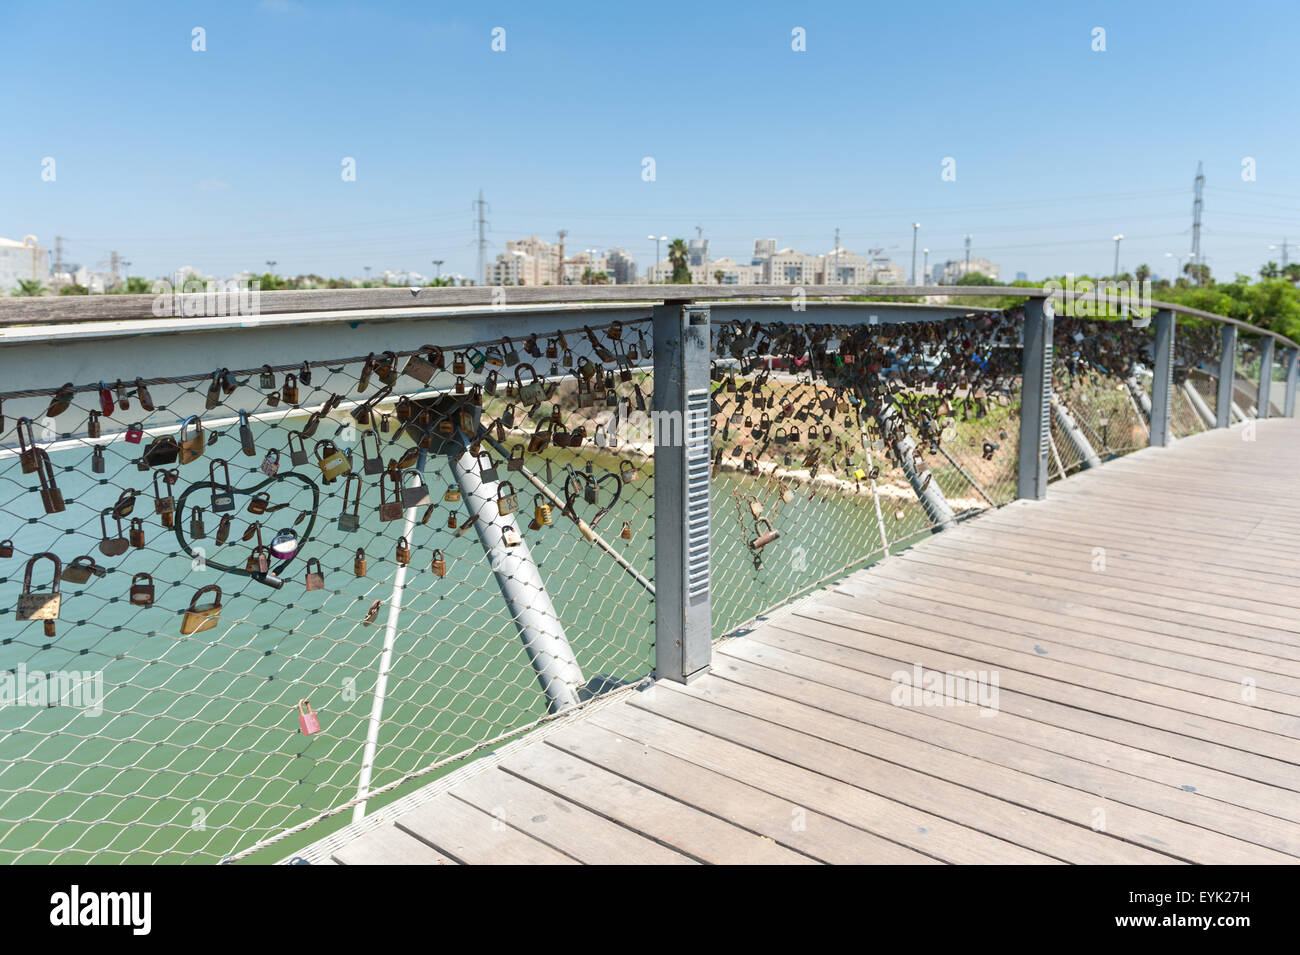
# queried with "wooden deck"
point(1144, 628)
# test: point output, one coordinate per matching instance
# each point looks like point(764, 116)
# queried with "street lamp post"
point(925, 265)
point(657, 239)
point(915, 227)
point(438, 265)
point(1117, 240)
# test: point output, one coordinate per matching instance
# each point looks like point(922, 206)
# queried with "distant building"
point(842, 267)
point(529, 261)
point(23, 259)
point(732, 273)
point(949, 272)
point(697, 252)
point(1022, 276)
point(791, 267)
point(763, 250)
point(621, 266)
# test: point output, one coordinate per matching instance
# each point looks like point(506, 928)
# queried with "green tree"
point(74, 289)
point(719, 275)
point(1143, 273)
point(677, 255)
point(29, 287)
point(1269, 271)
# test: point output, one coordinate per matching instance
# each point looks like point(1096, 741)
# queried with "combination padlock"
point(541, 511)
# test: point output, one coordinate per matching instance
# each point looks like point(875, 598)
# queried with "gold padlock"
point(332, 462)
point(41, 606)
point(202, 617)
point(439, 565)
point(403, 551)
point(359, 563)
point(541, 511)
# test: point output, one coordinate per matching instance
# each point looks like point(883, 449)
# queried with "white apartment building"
point(529, 261)
point(949, 272)
point(842, 267)
point(791, 267)
point(23, 259)
point(733, 273)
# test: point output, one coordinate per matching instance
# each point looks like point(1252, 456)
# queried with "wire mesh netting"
point(326, 578)
point(1101, 391)
point(1194, 398)
point(835, 443)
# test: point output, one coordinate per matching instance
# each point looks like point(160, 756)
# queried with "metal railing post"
point(1227, 376)
point(1265, 378)
point(1035, 399)
point(683, 484)
point(1292, 372)
point(1162, 378)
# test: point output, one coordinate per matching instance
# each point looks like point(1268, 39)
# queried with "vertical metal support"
point(1227, 376)
point(1035, 399)
point(521, 584)
point(1292, 372)
point(1162, 378)
point(1262, 402)
point(683, 614)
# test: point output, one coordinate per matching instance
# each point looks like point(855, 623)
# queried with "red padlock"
point(135, 433)
point(308, 723)
point(106, 400)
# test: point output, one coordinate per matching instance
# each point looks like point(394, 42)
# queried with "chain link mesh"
point(197, 750)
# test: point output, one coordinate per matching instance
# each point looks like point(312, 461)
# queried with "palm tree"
point(1143, 273)
point(1270, 271)
point(1292, 272)
point(29, 287)
point(677, 254)
point(719, 275)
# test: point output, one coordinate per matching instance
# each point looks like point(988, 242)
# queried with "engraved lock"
point(51, 496)
point(246, 443)
point(350, 520)
point(507, 499)
point(297, 455)
point(626, 533)
point(541, 511)
point(97, 465)
point(136, 534)
point(439, 565)
point(371, 462)
point(35, 606)
point(223, 495)
point(142, 590)
point(403, 551)
point(199, 617)
point(315, 575)
point(390, 510)
point(92, 425)
point(163, 501)
point(259, 502)
point(332, 462)
point(359, 563)
point(511, 537)
point(191, 447)
point(289, 390)
point(452, 494)
point(197, 530)
point(271, 463)
point(415, 494)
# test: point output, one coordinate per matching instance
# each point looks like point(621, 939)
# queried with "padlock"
point(134, 433)
point(106, 403)
point(289, 390)
point(271, 463)
point(259, 502)
point(403, 551)
point(246, 443)
point(349, 520)
point(476, 359)
point(80, 569)
point(213, 397)
point(488, 474)
point(626, 533)
point(6, 548)
point(755, 507)
point(27, 455)
point(199, 617)
point(259, 561)
point(43, 607)
point(507, 500)
point(223, 495)
point(414, 494)
point(439, 565)
point(511, 537)
point(452, 494)
point(197, 530)
point(92, 425)
point(267, 381)
point(359, 563)
point(51, 496)
point(515, 462)
point(331, 461)
point(142, 590)
point(390, 510)
point(452, 522)
point(97, 465)
point(61, 400)
point(163, 503)
point(297, 455)
point(541, 511)
point(137, 533)
point(767, 537)
point(191, 447)
point(223, 529)
point(458, 363)
point(532, 391)
point(315, 576)
point(308, 721)
point(311, 424)
point(111, 546)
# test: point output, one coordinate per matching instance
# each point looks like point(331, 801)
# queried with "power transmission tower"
point(559, 279)
point(58, 261)
point(967, 272)
point(481, 222)
point(1196, 223)
point(838, 273)
point(114, 261)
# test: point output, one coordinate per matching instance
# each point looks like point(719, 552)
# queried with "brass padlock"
point(627, 531)
point(452, 494)
point(223, 529)
point(43, 607)
point(164, 503)
point(142, 590)
point(439, 565)
point(200, 617)
point(246, 443)
point(289, 390)
point(390, 510)
point(259, 502)
point(27, 454)
point(315, 576)
point(197, 530)
point(80, 569)
point(191, 447)
point(403, 551)
point(507, 500)
point(628, 472)
point(51, 496)
point(137, 533)
point(331, 461)
point(359, 563)
point(6, 548)
point(541, 511)
point(92, 425)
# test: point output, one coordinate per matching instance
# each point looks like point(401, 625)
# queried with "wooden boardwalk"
point(1143, 625)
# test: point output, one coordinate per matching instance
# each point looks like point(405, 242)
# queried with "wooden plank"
point(473, 837)
point(786, 823)
point(922, 831)
point(389, 845)
point(672, 823)
point(799, 735)
point(838, 689)
point(561, 824)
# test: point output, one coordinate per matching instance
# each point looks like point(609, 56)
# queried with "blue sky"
point(226, 158)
